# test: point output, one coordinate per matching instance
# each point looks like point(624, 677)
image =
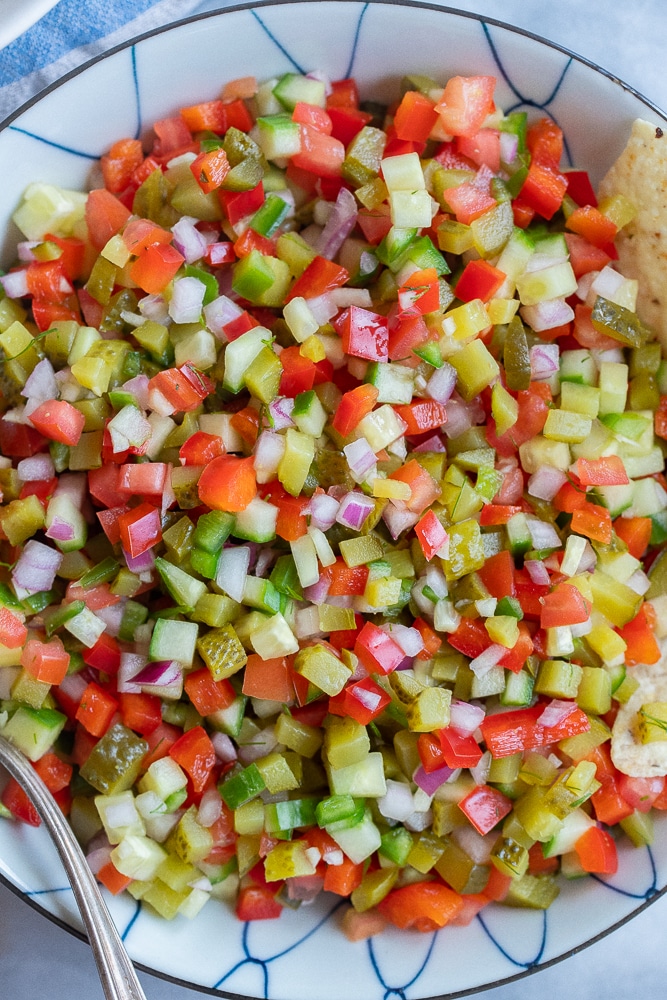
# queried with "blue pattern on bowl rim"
point(304, 954)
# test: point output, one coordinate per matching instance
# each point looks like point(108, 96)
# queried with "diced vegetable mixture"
point(332, 508)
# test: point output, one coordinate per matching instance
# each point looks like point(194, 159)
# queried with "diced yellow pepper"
point(464, 322)
point(322, 668)
point(503, 629)
point(476, 368)
point(296, 461)
point(504, 408)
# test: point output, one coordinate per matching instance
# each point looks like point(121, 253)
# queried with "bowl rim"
point(254, 4)
point(249, 5)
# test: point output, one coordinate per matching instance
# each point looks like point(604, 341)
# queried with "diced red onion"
point(112, 616)
point(155, 307)
point(306, 888)
point(544, 361)
point(548, 314)
point(588, 559)
point(73, 686)
point(131, 664)
point(188, 240)
point(210, 807)
point(232, 571)
point(15, 284)
point(281, 412)
point(318, 74)
point(461, 416)
point(187, 299)
point(430, 781)
point(442, 383)
point(24, 250)
point(398, 520)
point(537, 572)
point(74, 485)
point(346, 296)
point(60, 530)
point(224, 747)
point(354, 510)
point(584, 286)
point(397, 803)
point(555, 712)
point(607, 282)
point(546, 482)
point(268, 455)
point(307, 621)
point(436, 580)
point(262, 743)
point(138, 387)
point(434, 443)
point(409, 639)
point(219, 313)
point(163, 676)
point(543, 534)
point(509, 147)
point(465, 717)
point(265, 561)
point(142, 563)
point(339, 224)
point(98, 858)
point(477, 847)
point(490, 658)
point(36, 567)
point(323, 510)
point(41, 383)
point(36, 468)
point(360, 458)
point(480, 771)
point(419, 820)
point(317, 592)
point(323, 308)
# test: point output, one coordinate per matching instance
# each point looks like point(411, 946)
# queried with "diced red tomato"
point(378, 652)
point(195, 754)
point(96, 710)
point(596, 850)
point(257, 902)
point(509, 732)
point(16, 800)
point(45, 661)
point(422, 906)
point(362, 701)
point(364, 333)
point(58, 420)
point(484, 807)
point(228, 483)
point(465, 103)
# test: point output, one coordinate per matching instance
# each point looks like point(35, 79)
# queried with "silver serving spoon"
point(117, 974)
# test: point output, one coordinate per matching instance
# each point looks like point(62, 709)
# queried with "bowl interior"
point(57, 138)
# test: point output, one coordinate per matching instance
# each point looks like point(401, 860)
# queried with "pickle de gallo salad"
point(332, 509)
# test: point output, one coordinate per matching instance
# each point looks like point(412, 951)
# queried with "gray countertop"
point(39, 959)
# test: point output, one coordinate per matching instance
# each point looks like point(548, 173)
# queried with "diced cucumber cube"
point(34, 730)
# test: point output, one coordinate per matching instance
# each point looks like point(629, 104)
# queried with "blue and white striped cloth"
point(71, 33)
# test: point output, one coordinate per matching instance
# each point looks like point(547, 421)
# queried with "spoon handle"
point(116, 972)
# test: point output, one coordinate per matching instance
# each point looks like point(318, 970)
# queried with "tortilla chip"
point(640, 173)
point(630, 756)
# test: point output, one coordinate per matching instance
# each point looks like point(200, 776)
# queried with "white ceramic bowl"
point(304, 956)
